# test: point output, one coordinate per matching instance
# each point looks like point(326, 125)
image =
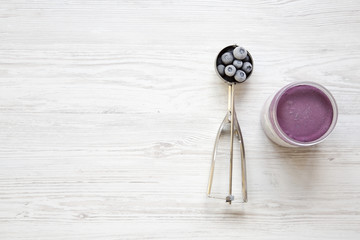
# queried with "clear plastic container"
point(300, 114)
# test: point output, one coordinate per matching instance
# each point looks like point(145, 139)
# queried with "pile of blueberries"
point(234, 64)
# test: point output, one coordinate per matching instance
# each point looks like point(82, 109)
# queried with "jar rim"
point(276, 125)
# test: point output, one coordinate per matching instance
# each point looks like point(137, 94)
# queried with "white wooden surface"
point(109, 110)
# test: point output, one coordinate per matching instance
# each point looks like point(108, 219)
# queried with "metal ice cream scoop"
point(232, 73)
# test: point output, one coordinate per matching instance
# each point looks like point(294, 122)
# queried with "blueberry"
point(237, 63)
point(247, 67)
point(230, 70)
point(240, 76)
point(227, 58)
point(247, 59)
point(221, 69)
point(240, 53)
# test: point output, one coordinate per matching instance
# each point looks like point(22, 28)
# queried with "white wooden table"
point(109, 111)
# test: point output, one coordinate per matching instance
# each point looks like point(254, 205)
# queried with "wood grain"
point(109, 110)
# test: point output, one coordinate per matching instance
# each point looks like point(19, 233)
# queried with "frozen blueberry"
point(240, 53)
point(221, 69)
point(240, 76)
point(247, 67)
point(230, 70)
point(247, 59)
point(227, 58)
point(237, 63)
